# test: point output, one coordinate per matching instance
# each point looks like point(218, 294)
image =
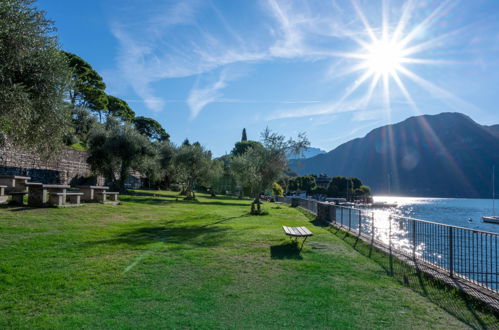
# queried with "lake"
point(452, 211)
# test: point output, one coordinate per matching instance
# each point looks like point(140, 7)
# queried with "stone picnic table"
point(15, 186)
point(51, 194)
point(14, 183)
point(92, 193)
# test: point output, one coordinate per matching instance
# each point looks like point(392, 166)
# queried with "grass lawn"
point(154, 262)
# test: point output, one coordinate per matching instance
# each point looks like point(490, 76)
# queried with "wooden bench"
point(61, 199)
point(103, 197)
point(17, 197)
point(297, 232)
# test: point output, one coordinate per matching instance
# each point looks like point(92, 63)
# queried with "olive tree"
point(193, 164)
point(260, 166)
point(33, 78)
point(117, 150)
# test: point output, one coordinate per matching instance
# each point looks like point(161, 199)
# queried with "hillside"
point(444, 155)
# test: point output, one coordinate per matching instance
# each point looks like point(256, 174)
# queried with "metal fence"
point(459, 252)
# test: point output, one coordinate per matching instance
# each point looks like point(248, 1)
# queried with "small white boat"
point(491, 219)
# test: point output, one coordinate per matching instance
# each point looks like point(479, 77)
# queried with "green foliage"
point(244, 138)
point(277, 190)
point(241, 147)
point(343, 187)
point(118, 108)
point(167, 162)
point(318, 191)
point(87, 88)
point(83, 123)
point(304, 183)
point(258, 167)
point(33, 78)
point(117, 150)
point(151, 129)
point(193, 164)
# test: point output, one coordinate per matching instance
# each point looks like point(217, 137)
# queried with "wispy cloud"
point(201, 97)
point(151, 47)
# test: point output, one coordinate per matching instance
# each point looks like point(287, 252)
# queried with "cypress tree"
point(244, 137)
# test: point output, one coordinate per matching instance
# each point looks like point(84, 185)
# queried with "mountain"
point(309, 152)
point(444, 155)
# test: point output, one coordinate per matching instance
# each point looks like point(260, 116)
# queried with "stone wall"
point(68, 167)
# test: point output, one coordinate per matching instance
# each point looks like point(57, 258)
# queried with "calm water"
point(452, 211)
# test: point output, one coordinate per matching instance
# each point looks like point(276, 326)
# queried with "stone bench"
point(64, 199)
point(3, 197)
point(103, 197)
point(90, 192)
point(17, 197)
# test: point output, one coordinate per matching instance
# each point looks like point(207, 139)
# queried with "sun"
point(383, 57)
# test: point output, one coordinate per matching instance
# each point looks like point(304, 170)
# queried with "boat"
point(492, 218)
point(380, 205)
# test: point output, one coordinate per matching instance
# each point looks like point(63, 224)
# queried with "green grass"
point(78, 146)
point(154, 262)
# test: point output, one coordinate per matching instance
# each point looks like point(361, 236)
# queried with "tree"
point(305, 183)
point(339, 186)
point(151, 129)
point(118, 108)
point(167, 161)
point(83, 123)
point(244, 138)
point(87, 86)
point(33, 78)
point(193, 164)
point(117, 150)
point(259, 167)
point(277, 190)
point(241, 147)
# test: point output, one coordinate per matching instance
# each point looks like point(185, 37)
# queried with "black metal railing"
point(464, 253)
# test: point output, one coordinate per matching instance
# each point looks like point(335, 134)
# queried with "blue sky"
point(333, 69)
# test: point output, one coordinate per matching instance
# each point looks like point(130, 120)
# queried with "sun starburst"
point(387, 51)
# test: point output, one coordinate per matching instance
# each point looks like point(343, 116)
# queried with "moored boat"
point(491, 219)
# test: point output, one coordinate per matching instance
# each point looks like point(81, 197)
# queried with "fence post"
point(390, 242)
point(413, 240)
point(372, 228)
point(360, 222)
point(451, 252)
point(349, 218)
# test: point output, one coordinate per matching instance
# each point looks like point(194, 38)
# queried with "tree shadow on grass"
point(289, 250)
point(174, 232)
point(161, 199)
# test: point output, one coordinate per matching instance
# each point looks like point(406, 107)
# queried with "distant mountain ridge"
point(309, 152)
point(444, 155)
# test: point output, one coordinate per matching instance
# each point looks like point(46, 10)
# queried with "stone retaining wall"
point(68, 167)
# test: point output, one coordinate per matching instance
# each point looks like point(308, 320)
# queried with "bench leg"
point(75, 199)
point(303, 243)
point(57, 200)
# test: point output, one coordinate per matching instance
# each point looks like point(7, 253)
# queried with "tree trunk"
point(256, 205)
